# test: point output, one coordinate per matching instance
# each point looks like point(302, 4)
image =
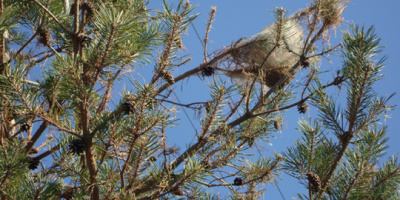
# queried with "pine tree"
point(68, 132)
point(338, 154)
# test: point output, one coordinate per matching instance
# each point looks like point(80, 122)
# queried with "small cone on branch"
point(302, 108)
point(277, 125)
point(33, 163)
point(167, 76)
point(238, 181)
point(77, 146)
point(25, 127)
point(178, 191)
point(207, 70)
point(44, 36)
point(174, 176)
point(338, 80)
point(315, 182)
point(128, 107)
point(152, 159)
point(305, 64)
point(84, 40)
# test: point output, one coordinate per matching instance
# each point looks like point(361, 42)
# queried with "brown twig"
point(291, 105)
point(184, 105)
point(48, 152)
point(36, 136)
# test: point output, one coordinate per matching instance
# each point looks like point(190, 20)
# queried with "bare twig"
point(211, 17)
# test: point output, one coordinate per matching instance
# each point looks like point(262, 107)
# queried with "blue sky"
point(239, 18)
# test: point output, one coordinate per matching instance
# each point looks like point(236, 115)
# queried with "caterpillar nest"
point(267, 55)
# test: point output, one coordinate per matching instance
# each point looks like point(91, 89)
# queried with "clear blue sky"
point(239, 18)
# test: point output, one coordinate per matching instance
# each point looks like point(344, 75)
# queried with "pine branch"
point(23, 46)
point(54, 17)
point(107, 95)
point(189, 105)
point(76, 8)
point(36, 136)
point(352, 184)
point(388, 176)
point(210, 120)
point(291, 105)
point(47, 153)
point(195, 148)
point(90, 157)
point(211, 17)
point(357, 93)
point(199, 68)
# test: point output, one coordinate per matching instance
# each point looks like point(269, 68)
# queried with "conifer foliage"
point(67, 130)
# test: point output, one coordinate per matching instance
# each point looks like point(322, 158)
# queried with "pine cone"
point(338, 80)
point(84, 40)
point(174, 176)
point(238, 181)
point(44, 36)
point(77, 146)
point(207, 71)
point(168, 77)
point(33, 163)
point(277, 125)
point(128, 107)
point(25, 127)
point(152, 159)
point(315, 182)
point(178, 191)
point(305, 64)
point(302, 108)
